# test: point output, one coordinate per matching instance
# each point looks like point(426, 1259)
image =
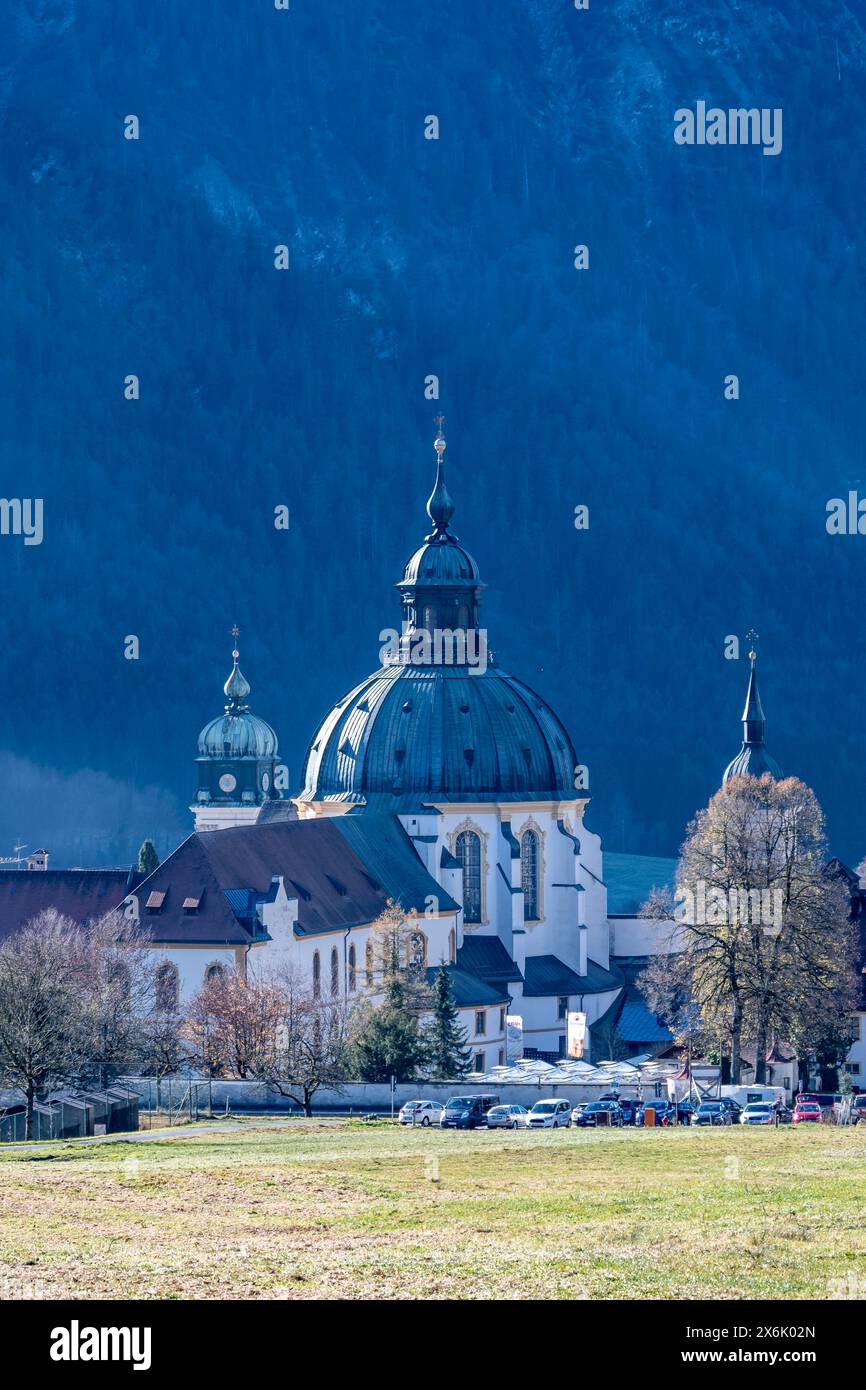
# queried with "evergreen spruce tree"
point(390, 1043)
point(447, 1055)
point(148, 859)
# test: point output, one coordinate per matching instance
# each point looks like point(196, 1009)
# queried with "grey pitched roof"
point(81, 894)
point(638, 1024)
point(388, 853)
point(341, 878)
point(468, 989)
point(487, 957)
point(549, 975)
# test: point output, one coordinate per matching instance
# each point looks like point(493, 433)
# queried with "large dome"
point(440, 721)
point(443, 733)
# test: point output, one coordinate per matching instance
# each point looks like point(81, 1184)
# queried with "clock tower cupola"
point(237, 760)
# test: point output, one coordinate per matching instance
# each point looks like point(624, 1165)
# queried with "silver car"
point(507, 1117)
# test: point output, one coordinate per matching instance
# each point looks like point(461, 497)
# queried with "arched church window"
point(120, 980)
point(452, 947)
point(167, 987)
point(335, 972)
point(429, 618)
point(469, 854)
point(352, 979)
point(463, 617)
point(317, 975)
point(529, 874)
point(214, 972)
point(418, 950)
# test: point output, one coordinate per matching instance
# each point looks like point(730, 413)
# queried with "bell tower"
point(237, 760)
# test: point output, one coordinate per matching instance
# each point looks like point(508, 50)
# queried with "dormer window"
point(155, 900)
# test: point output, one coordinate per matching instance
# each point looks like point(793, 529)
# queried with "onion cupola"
point(237, 755)
point(439, 721)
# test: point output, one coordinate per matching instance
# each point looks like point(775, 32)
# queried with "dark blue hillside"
point(412, 257)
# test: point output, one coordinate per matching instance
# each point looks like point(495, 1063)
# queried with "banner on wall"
point(513, 1038)
point(576, 1035)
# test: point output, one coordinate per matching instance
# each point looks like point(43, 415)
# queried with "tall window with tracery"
point(469, 853)
point(529, 874)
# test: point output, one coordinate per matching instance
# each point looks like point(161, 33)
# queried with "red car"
point(806, 1112)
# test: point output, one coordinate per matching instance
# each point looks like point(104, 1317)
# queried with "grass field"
point(300, 1210)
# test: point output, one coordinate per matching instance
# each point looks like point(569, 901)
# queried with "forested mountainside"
point(411, 257)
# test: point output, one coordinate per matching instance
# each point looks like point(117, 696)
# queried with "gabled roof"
point(549, 975)
point(81, 894)
point(487, 957)
point(630, 879)
point(468, 990)
point(342, 877)
point(389, 855)
point(638, 1024)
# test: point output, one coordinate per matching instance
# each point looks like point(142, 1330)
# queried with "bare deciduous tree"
point(763, 932)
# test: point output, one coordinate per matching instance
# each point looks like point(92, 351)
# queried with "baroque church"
point(441, 784)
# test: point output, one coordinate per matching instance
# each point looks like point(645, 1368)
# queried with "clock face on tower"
point(228, 782)
point(266, 781)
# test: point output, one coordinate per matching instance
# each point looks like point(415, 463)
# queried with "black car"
point(467, 1112)
point(664, 1112)
point(629, 1110)
point(733, 1108)
point(588, 1115)
point(713, 1112)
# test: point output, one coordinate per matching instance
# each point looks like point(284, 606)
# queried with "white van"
point(754, 1095)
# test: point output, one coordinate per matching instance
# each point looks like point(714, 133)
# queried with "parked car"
point(759, 1113)
point(549, 1114)
point(588, 1115)
point(686, 1112)
point(664, 1111)
point(826, 1100)
point(629, 1110)
point(733, 1108)
point(467, 1112)
point(858, 1109)
point(507, 1117)
point(808, 1112)
point(421, 1112)
point(713, 1112)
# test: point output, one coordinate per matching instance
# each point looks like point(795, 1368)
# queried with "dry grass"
point(352, 1211)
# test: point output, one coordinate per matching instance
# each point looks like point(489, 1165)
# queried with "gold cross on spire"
point(752, 638)
point(440, 421)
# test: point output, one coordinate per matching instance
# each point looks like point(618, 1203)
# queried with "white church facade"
point(441, 783)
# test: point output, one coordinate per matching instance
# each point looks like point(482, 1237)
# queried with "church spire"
point(753, 757)
point(753, 713)
point(440, 508)
point(237, 687)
